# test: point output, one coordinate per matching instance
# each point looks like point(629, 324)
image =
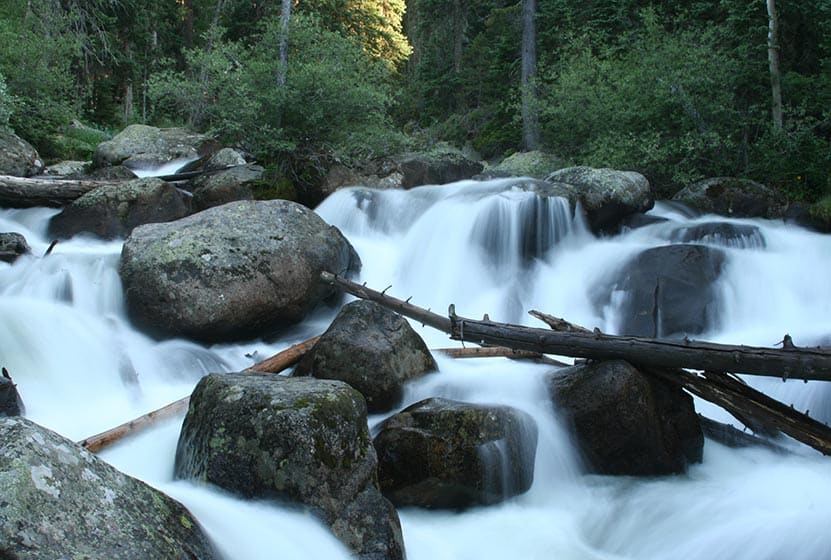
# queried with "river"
point(81, 368)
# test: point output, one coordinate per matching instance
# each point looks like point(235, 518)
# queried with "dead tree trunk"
point(20, 192)
point(660, 358)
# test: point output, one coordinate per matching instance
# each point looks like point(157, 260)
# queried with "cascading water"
point(487, 248)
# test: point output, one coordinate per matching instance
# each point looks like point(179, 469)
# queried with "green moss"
point(186, 523)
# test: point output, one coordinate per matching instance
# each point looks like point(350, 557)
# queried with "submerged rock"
point(666, 291)
point(299, 440)
point(372, 349)
point(440, 453)
point(625, 423)
point(232, 272)
point(113, 211)
point(58, 500)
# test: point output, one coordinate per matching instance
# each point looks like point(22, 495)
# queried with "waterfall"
point(493, 247)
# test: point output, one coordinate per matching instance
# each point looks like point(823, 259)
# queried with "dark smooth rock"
point(12, 246)
point(440, 453)
point(625, 423)
point(372, 349)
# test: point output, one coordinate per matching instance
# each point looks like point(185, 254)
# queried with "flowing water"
point(81, 368)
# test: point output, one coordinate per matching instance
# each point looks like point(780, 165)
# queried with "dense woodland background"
point(676, 90)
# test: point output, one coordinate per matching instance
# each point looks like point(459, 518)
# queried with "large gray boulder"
point(534, 164)
point(140, 146)
point(625, 423)
point(372, 349)
point(61, 501)
point(299, 440)
point(113, 211)
point(18, 157)
point(231, 272)
point(440, 453)
point(607, 196)
point(730, 196)
point(667, 291)
point(12, 246)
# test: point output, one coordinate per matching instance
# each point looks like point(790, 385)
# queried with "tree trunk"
point(787, 362)
point(20, 192)
point(773, 62)
point(283, 64)
point(530, 118)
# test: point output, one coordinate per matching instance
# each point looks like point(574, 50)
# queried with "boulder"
point(376, 175)
point(666, 291)
point(607, 196)
point(113, 211)
point(216, 189)
point(534, 164)
point(232, 272)
point(69, 168)
point(729, 196)
point(140, 146)
point(372, 349)
point(61, 501)
point(299, 440)
point(625, 423)
point(12, 246)
point(437, 167)
point(18, 157)
point(10, 402)
point(725, 234)
point(440, 453)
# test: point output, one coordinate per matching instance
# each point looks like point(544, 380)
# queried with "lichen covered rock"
point(298, 440)
point(232, 272)
point(57, 500)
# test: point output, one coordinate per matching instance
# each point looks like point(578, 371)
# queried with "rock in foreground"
point(300, 440)
point(57, 500)
point(232, 272)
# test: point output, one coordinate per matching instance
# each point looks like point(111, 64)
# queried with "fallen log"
point(274, 364)
point(21, 192)
point(789, 362)
point(662, 358)
point(498, 352)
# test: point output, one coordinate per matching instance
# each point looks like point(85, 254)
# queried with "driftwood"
point(20, 192)
point(275, 364)
point(497, 352)
point(662, 358)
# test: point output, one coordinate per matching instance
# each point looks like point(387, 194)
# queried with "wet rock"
point(232, 272)
point(625, 423)
point(299, 440)
point(235, 183)
point(666, 291)
point(371, 348)
point(18, 157)
point(12, 246)
point(729, 196)
point(10, 402)
point(57, 500)
point(607, 196)
point(140, 146)
point(113, 211)
point(440, 453)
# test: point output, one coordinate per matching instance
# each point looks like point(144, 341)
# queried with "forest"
point(678, 91)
